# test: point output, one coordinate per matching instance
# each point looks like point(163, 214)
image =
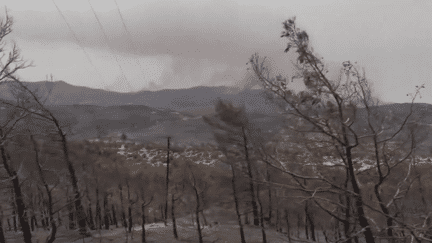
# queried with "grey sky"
point(188, 43)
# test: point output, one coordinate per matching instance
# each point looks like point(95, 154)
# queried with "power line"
point(129, 34)
point(107, 42)
point(124, 26)
point(79, 42)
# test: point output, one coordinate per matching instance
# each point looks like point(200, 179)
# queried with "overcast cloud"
point(179, 44)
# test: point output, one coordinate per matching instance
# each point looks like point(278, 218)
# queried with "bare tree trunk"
point(53, 231)
point(278, 228)
point(251, 183)
point(129, 208)
point(2, 236)
point(130, 219)
point(59, 220)
point(114, 217)
point(90, 217)
point(236, 202)
point(32, 222)
point(98, 211)
point(122, 209)
point(19, 202)
point(310, 222)
point(287, 225)
point(71, 214)
point(106, 211)
point(298, 224)
point(348, 209)
point(264, 236)
point(359, 200)
point(197, 210)
point(270, 208)
point(9, 225)
point(143, 221)
point(80, 214)
point(25, 227)
point(173, 217)
point(51, 221)
point(167, 182)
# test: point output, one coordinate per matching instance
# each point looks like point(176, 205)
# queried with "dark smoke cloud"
point(209, 43)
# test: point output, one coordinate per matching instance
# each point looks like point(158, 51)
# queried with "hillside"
point(197, 100)
point(143, 123)
point(153, 115)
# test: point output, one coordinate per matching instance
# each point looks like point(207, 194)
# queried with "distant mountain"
point(153, 115)
point(197, 100)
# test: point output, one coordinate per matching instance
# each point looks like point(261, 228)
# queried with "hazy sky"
point(174, 44)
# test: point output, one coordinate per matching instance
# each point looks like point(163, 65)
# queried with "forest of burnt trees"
point(276, 183)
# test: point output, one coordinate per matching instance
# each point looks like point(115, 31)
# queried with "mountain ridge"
point(201, 97)
point(150, 115)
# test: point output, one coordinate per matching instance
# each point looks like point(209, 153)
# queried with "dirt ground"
point(226, 230)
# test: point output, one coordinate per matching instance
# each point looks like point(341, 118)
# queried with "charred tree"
point(18, 196)
point(167, 181)
point(236, 203)
point(106, 211)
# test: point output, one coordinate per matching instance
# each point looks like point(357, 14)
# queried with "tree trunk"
point(309, 223)
point(236, 202)
point(287, 225)
point(19, 202)
point(173, 217)
point(25, 227)
point(79, 209)
point(167, 182)
point(386, 211)
point(114, 217)
point(161, 210)
point(348, 210)
point(306, 222)
point(130, 219)
point(106, 211)
point(98, 211)
point(50, 217)
point(123, 215)
point(359, 200)
point(32, 222)
point(90, 216)
point(278, 228)
point(197, 210)
point(71, 214)
point(9, 225)
point(270, 208)
point(299, 219)
point(143, 221)
point(58, 219)
point(15, 226)
point(35, 221)
point(251, 183)
point(53, 231)
point(2, 236)
point(129, 208)
point(44, 222)
point(264, 236)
